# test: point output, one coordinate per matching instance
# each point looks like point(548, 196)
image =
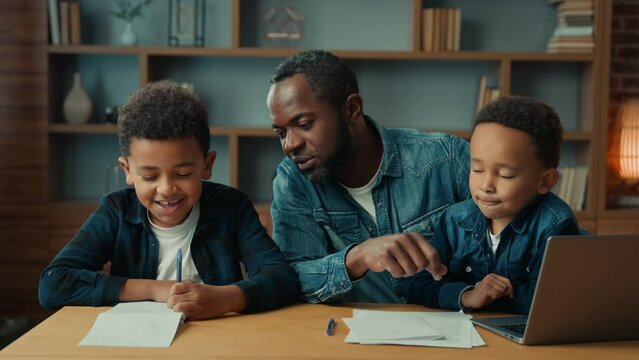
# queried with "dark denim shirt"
point(316, 224)
point(464, 246)
point(228, 231)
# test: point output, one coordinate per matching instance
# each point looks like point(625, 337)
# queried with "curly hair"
point(163, 110)
point(531, 116)
point(328, 76)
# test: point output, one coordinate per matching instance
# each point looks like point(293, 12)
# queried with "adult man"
point(353, 200)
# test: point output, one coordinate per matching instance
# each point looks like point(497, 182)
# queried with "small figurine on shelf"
point(284, 26)
point(127, 11)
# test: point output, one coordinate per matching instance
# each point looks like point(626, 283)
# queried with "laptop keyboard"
point(516, 328)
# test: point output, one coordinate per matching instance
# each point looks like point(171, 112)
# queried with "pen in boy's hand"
point(330, 327)
point(179, 265)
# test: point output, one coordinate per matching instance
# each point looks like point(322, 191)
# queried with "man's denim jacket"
point(316, 224)
point(463, 244)
point(227, 232)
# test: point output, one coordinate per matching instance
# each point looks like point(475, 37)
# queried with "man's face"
point(505, 173)
point(167, 176)
point(312, 133)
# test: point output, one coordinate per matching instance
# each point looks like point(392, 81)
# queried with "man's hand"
point(491, 288)
point(199, 301)
point(401, 254)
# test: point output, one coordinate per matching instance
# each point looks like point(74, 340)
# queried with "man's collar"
point(391, 159)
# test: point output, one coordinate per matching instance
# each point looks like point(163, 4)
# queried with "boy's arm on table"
point(73, 277)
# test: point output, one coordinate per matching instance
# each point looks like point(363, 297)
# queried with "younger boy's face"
point(505, 173)
point(167, 176)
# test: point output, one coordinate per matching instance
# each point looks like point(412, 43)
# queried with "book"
point(74, 22)
point(573, 31)
point(450, 29)
point(581, 182)
point(54, 22)
point(481, 93)
point(64, 22)
point(457, 27)
point(437, 22)
point(427, 29)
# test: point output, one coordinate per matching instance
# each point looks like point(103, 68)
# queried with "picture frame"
point(186, 22)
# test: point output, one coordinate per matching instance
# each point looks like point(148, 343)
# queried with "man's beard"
point(343, 146)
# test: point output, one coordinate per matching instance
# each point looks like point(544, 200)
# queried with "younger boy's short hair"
point(531, 116)
point(163, 110)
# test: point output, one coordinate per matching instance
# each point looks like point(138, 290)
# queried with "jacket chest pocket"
point(468, 269)
point(518, 272)
point(424, 225)
point(342, 227)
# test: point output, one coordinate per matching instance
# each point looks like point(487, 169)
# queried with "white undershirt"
point(364, 196)
point(172, 239)
point(494, 241)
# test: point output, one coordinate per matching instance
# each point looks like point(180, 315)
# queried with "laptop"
point(587, 290)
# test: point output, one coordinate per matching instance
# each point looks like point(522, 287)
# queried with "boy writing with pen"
point(164, 139)
point(493, 244)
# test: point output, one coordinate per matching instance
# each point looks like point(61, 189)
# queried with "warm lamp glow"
point(628, 141)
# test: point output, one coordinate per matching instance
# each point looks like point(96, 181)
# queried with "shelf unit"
point(506, 69)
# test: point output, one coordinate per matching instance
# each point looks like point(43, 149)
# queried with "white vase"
point(77, 105)
point(129, 37)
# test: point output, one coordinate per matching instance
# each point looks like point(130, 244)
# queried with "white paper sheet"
point(456, 327)
point(371, 329)
point(140, 324)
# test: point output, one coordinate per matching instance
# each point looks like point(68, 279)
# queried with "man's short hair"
point(328, 76)
point(163, 110)
point(531, 116)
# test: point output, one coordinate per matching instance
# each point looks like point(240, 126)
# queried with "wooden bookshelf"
point(505, 64)
point(284, 52)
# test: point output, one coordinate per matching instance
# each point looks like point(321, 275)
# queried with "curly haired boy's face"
point(167, 176)
point(505, 173)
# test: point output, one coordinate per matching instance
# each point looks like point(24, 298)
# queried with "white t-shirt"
point(172, 239)
point(494, 241)
point(364, 196)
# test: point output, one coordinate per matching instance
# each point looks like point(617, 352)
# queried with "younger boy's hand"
point(200, 301)
point(491, 288)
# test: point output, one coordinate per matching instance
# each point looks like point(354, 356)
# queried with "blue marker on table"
point(179, 265)
point(330, 327)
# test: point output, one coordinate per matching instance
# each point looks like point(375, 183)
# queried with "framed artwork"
point(186, 22)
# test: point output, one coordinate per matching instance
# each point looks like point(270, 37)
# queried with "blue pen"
point(330, 327)
point(179, 265)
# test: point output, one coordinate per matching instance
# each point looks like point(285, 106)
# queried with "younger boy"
point(164, 138)
point(493, 244)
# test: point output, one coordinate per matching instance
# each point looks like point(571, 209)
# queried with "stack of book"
point(572, 186)
point(486, 94)
point(64, 22)
point(574, 28)
point(441, 29)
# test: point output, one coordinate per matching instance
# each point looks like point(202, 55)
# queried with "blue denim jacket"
point(464, 246)
point(316, 224)
point(228, 231)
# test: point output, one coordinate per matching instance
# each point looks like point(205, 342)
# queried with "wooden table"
point(295, 332)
